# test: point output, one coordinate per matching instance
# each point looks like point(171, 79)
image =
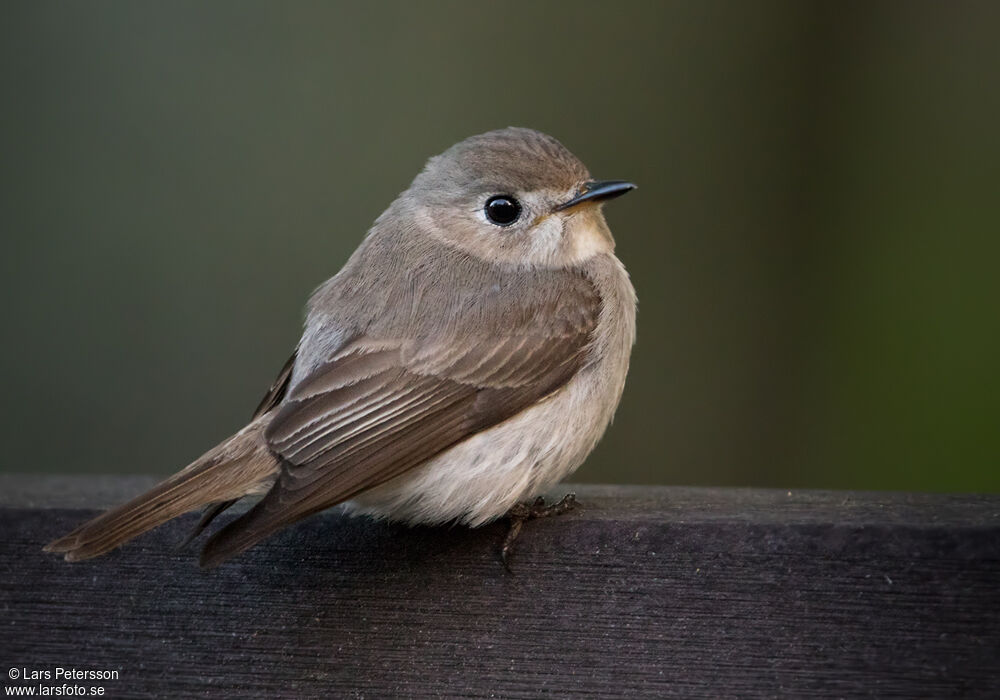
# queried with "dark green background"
point(814, 241)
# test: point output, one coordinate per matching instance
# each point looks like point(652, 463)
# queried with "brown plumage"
point(233, 469)
point(426, 396)
point(440, 327)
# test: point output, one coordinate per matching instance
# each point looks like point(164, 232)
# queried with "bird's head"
point(514, 196)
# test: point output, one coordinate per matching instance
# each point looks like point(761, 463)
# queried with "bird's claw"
point(522, 512)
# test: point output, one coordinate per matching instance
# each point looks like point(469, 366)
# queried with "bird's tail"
point(239, 466)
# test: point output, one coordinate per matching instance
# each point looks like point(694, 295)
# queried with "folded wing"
point(385, 405)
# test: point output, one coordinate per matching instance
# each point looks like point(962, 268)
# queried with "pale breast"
point(480, 478)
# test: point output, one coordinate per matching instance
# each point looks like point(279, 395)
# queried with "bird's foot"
point(523, 512)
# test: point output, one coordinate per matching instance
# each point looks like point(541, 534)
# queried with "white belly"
point(480, 478)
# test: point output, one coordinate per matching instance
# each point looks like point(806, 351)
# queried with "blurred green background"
point(814, 244)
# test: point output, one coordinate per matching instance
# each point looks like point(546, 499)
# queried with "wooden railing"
point(641, 591)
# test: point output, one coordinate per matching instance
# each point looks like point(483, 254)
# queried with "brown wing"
point(277, 391)
point(271, 399)
point(380, 408)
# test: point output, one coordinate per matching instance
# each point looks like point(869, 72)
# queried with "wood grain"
point(651, 592)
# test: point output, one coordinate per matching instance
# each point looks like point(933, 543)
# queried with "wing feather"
point(383, 405)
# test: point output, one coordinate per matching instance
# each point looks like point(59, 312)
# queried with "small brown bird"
point(469, 355)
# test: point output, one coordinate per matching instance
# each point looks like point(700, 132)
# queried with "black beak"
point(598, 191)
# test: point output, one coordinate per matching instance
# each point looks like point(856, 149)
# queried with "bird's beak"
point(598, 191)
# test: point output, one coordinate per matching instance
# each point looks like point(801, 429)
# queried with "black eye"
point(502, 210)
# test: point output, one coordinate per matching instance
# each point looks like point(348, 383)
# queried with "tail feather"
point(240, 466)
point(208, 515)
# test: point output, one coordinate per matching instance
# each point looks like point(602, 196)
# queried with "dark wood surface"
point(648, 592)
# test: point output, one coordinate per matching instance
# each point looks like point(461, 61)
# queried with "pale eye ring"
point(502, 209)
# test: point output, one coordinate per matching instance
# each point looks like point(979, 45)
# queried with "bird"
point(468, 356)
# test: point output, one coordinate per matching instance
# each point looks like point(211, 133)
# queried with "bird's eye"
point(502, 210)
